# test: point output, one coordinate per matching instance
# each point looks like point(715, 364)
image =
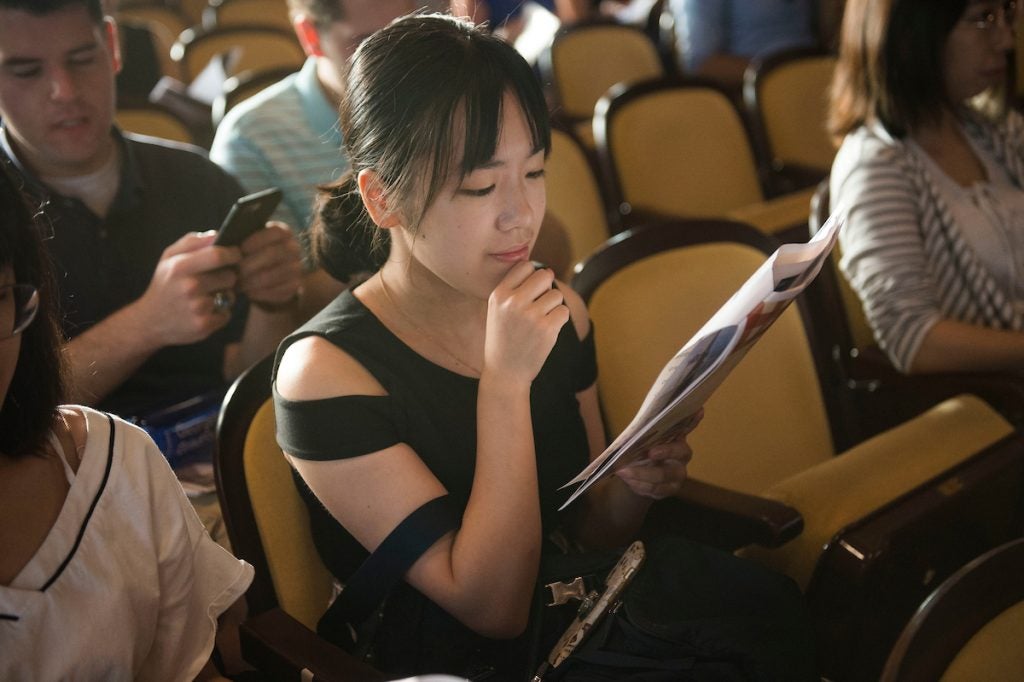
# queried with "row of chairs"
point(252, 56)
point(783, 102)
point(258, 31)
point(868, 533)
point(666, 149)
point(177, 15)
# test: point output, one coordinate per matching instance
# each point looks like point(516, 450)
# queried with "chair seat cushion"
point(994, 652)
point(836, 493)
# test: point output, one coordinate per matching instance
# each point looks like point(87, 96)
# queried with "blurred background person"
point(718, 38)
point(929, 175)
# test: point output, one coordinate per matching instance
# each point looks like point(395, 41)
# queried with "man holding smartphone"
point(154, 312)
point(287, 136)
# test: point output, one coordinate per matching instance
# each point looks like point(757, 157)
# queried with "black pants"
point(722, 617)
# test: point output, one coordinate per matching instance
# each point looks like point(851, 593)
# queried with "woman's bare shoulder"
point(313, 368)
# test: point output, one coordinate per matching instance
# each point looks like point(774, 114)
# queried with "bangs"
point(423, 106)
point(483, 115)
point(488, 75)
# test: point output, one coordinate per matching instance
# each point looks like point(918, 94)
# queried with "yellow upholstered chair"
point(165, 23)
point(272, 13)
point(786, 96)
point(768, 430)
point(268, 525)
point(251, 48)
point(586, 59)
point(170, 19)
point(146, 118)
point(574, 197)
point(970, 628)
point(679, 148)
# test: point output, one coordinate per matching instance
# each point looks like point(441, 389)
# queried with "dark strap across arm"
point(366, 589)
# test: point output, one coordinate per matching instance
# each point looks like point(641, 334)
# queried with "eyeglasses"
point(990, 19)
point(19, 304)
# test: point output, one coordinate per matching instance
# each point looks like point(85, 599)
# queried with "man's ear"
point(371, 189)
point(113, 42)
point(307, 34)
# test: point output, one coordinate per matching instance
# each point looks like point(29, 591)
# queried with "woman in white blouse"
point(929, 176)
point(106, 573)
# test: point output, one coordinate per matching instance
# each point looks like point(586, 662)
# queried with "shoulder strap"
point(366, 589)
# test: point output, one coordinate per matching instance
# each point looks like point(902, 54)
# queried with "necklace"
point(430, 337)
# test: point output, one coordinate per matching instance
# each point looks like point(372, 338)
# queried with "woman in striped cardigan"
point(930, 176)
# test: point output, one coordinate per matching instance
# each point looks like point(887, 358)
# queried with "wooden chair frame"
point(857, 630)
point(955, 612)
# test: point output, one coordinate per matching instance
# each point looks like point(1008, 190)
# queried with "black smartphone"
point(249, 214)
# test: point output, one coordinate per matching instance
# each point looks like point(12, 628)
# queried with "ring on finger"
point(221, 302)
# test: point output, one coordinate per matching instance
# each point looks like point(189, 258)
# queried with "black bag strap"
point(366, 589)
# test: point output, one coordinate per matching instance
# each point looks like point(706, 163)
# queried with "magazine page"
point(703, 363)
point(689, 367)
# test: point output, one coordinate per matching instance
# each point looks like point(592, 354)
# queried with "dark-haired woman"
point(930, 177)
point(106, 573)
point(435, 410)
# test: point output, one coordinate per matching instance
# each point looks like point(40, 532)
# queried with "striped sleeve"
point(883, 254)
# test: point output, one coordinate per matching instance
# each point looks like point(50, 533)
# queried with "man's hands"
point(661, 473)
point(270, 272)
point(178, 306)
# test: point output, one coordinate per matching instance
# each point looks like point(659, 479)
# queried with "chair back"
point(165, 20)
point(252, 48)
point(146, 118)
point(651, 289)
point(970, 627)
point(676, 148)
point(164, 23)
point(574, 196)
point(266, 519)
point(586, 59)
point(272, 13)
point(786, 96)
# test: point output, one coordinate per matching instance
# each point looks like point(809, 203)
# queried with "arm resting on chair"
point(277, 644)
point(887, 397)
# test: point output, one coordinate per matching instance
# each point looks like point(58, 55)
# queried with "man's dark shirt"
point(166, 190)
